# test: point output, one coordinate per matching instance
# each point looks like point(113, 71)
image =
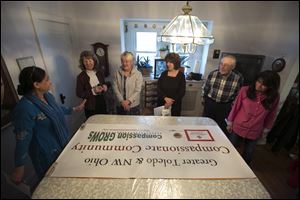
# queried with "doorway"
point(9, 97)
point(56, 46)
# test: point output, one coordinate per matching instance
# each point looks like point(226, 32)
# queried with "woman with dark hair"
point(91, 84)
point(171, 85)
point(39, 123)
point(254, 112)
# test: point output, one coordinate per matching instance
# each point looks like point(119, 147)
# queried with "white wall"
point(267, 28)
point(18, 38)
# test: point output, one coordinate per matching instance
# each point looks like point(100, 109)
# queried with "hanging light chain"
point(187, 8)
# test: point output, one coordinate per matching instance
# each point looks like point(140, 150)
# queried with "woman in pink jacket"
point(254, 112)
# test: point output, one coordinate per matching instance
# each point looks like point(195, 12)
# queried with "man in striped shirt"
point(221, 88)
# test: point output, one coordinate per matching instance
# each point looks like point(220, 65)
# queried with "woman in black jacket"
point(91, 84)
point(171, 85)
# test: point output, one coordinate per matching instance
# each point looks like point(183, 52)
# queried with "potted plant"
point(183, 60)
point(143, 65)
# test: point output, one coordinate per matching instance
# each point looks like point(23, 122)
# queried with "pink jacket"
point(249, 118)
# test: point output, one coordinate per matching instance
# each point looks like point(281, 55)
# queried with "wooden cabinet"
point(149, 96)
point(192, 100)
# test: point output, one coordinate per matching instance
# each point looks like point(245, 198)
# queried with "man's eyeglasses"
point(225, 65)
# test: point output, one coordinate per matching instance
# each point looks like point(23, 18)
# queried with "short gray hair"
point(232, 57)
point(126, 54)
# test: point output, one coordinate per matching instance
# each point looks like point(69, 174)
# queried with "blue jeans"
point(248, 147)
point(133, 111)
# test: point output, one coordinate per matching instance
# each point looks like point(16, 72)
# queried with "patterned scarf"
point(56, 115)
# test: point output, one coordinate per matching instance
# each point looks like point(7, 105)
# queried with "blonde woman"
point(127, 85)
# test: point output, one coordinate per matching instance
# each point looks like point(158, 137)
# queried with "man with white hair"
point(221, 88)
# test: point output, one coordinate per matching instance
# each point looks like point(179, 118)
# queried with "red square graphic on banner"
point(198, 135)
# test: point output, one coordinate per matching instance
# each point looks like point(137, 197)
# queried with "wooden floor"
point(272, 171)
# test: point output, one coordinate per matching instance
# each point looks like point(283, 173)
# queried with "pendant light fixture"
point(186, 32)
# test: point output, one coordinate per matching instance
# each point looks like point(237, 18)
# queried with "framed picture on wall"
point(25, 62)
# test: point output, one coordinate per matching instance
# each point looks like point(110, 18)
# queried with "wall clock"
point(101, 50)
point(278, 65)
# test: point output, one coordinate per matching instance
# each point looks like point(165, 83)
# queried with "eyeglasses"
point(225, 65)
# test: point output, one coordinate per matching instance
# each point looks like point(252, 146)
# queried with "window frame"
point(127, 29)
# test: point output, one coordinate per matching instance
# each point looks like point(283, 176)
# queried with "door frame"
point(8, 87)
point(34, 16)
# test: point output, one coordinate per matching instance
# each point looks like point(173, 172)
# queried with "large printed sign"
point(141, 151)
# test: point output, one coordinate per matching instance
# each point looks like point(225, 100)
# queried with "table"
point(51, 187)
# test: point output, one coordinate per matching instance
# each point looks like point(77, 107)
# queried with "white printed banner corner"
point(140, 151)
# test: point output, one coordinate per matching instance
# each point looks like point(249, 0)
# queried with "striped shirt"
point(222, 88)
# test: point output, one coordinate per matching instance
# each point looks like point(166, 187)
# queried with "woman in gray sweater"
point(127, 85)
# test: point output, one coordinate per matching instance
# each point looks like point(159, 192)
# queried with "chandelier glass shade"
point(187, 31)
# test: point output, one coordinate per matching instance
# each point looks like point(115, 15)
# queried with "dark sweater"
point(172, 87)
point(84, 89)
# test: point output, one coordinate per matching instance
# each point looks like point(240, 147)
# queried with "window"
point(140, 37)
point(146, 41)
point(146, 46)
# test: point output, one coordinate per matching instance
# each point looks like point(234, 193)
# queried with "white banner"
point(141, 151)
